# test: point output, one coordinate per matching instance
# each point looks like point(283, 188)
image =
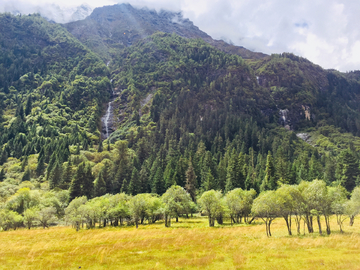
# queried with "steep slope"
point(61, 83)
point(109, 29)
point(307, 95)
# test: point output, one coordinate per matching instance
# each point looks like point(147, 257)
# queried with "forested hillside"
point(185, 113)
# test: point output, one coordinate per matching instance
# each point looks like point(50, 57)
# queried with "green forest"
point(191, 122)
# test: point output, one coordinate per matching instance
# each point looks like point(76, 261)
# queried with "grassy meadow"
point(189, 244)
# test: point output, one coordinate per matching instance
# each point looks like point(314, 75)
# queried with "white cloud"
point(324, 31)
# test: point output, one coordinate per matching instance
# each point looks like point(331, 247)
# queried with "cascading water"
point(107, 118)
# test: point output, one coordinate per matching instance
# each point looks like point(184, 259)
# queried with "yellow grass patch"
point(189, 244)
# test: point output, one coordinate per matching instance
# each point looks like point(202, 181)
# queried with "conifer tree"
point(124, 187)
point(158, 185)
point(134, 185)
point(55, 176)
point(347, 169)
point(66, 175)
point(2, 175)
point(270, 181)
point(28, 105)
point(88, 182)
point(99, 185)
point(190, 185)
point(100, 147)
point(40, 168)
point(26, 175)
point(75, 189)
point(24, 163)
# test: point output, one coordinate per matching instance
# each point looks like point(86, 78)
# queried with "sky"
point(326, 32)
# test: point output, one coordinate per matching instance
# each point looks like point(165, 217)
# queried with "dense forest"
point(186, 114)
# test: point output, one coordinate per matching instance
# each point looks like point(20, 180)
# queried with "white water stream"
point(106, 119)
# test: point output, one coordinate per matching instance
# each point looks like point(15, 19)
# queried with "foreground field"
point(189, 244)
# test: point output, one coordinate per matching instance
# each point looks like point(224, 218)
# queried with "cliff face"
point(111, 28)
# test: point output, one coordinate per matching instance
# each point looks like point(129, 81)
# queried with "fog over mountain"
point(321, 31)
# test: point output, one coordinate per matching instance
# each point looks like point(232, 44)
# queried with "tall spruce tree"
point(190, 185)
point(270, 181)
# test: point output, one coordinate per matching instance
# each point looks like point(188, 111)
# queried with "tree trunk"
point(177, 219)
point(269, 227)
point(288, 224)
point(137, 223)
point(327, 222)
point(351, 222)
point(319, 224)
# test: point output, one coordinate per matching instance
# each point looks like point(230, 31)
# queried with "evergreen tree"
point(40, 168)
point(2, 175)
point(100, 185)
point(100, 147)
point(158, 185)
point(55, 176)
point(66, 175)
point(75, 189)
point(26, 175)
point(134, 185)
point(270, 181)
point(124, 187)
point(24, 163)
point(88, 182)
point(347, 169)
point(28, 105)
point(190, 185)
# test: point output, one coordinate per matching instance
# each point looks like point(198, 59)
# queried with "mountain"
point(111, 28)
point(171, 99)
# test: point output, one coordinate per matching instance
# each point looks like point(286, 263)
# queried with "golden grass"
point(189, 244)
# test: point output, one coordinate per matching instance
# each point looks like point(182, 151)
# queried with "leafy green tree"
point(73, 213)
point(266, 207)
point(210, 202)
point(353, 206)
point(137, 208)
point(339, 203)
point(30, 216)
point(176, 202)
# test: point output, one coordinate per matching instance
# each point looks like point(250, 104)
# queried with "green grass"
point(189, 244)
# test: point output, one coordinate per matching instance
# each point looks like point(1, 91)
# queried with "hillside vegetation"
point(185, 114)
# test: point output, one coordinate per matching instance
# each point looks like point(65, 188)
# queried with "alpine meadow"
point(131, 139)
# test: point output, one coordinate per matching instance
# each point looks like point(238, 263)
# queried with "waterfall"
point(107, 118)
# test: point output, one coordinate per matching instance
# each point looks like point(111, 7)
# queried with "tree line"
point(305, 203)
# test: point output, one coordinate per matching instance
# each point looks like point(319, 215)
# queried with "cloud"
point(324, 31)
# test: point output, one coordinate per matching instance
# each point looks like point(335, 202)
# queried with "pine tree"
point(41, 164)
point(26, 175)
point(134, 185)
point(67, 175)
point(24, 163)
point(88, 182)
point(158, 185)
point(100, 147)
point(190, 185)
point(28, 105)
point(124, 187)
point(270, 181)
point(75, 189)
point(347, 169)
point(2, 175)
point(55, 176)
point(99, 185)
